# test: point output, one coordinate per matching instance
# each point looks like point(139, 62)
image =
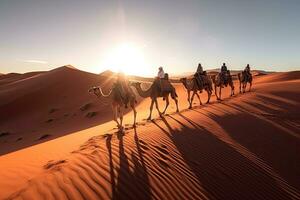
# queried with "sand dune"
point(53, 103)
point(244, 147)
point(13, 77)
point(280, 76)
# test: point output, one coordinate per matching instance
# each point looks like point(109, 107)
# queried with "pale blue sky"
point(41, 35)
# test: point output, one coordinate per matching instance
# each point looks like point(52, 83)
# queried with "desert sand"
point(58, 142)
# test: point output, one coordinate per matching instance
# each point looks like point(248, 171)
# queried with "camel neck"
point(106, 95)
point(185, 84)
point(143, 93)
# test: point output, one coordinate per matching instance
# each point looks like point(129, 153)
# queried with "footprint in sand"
point(44, 137)
point(129, 128)
point(54, 164)
point(140, 123)
point(4, 134)
point(49, 120)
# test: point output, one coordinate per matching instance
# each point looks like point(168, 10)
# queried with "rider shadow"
point(111, 165)
point(131, 183)
point(222, 171)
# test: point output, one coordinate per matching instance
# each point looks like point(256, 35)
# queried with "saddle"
point(201, 79)
point(164, 84)
point(121, 93)
point(224, 77)
point(247, 76)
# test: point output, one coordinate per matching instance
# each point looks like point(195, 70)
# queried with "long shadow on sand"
point(275, 144)
point(223, 171)
point(132, 182)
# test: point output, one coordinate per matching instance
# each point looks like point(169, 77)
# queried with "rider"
point(161, 77)
point(161, 73)
point(200, 69)
point(199, 74)
point(247, 70)
point(122, 85)
point(224, 72)
point(224, 68)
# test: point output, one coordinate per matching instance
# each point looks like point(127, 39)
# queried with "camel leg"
point(189, 97)
point(134, 114)
point(120, 111)
point(176, 102)
point(115, 115)
point(192, 99)
point(216, 93)
point(250, 86)
point(157, 108)
point(151, 108)
point(240, 87)
point(220, 92)
point(243, 88)
point(167, 104)
point(208, 95)
point(121, 117)
point(199, 98)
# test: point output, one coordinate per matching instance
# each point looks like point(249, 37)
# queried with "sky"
point(137, 36)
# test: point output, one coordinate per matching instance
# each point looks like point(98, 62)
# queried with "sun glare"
point(127, 58)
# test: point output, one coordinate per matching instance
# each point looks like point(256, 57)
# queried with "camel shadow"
point(272, 141)
point(128, 181)
point(223, 171)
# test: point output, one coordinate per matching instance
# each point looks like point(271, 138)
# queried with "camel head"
point(95, 90)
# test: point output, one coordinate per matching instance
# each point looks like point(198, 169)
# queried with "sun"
point(127, 58)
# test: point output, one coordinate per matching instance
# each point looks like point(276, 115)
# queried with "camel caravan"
point(121, 93)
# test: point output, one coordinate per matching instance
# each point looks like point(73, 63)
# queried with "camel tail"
point(239, 76)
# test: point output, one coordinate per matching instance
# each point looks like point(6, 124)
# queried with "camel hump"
point(123, 93)
point(244, 76)
point(166, 85)
point(162, 85)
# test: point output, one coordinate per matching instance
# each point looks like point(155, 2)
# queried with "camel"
point(117, 103)
point(244, 79)
point(154, 92)
point(218, 82)
point(192, 86)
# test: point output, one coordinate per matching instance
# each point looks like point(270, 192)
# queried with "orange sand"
point(245, 147)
